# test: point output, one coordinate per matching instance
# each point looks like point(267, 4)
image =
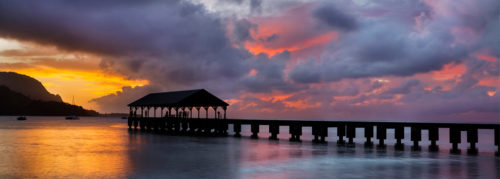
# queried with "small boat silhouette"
point(72, 117)
point(21, 118)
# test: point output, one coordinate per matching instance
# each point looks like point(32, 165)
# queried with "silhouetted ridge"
point(27, 86)
point(14, 103)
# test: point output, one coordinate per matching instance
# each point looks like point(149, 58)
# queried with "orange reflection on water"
point(66, 152)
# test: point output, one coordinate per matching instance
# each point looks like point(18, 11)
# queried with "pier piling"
point(399, 135)
point(472, 139)
point(381, 135)
point(274, 129)
point(341, 134)
point(351, 133)
point(455, 138)
point(416, 136)
point(255, 130)
point(433, 137)
point(497, 140)
point(368, 135)
point(295, 132)
point(237, 129)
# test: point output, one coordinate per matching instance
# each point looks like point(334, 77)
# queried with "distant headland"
point(23, 95)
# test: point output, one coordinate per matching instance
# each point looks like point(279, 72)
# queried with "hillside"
point(14, 103)
point(27, 86)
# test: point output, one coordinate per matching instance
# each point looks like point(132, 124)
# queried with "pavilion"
point(180, 102)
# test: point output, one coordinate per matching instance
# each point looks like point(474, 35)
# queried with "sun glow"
point(82, 85)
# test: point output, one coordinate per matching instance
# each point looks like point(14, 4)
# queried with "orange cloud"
point(484, 54)
point(301, 104)
point(259, 47)
point(253, 72)
point(449, 71)
point(490, 81)
point(293, 29)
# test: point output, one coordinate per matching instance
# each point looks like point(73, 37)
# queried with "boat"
point(73, 117)
point(21, 118)
point(124, 117)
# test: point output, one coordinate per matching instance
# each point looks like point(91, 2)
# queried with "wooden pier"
point(345, 130)
point(177, 109)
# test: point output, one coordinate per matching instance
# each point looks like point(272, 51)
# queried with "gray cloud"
point(403, 88)
point(330, 15)
point(117, 101)
point(270, 75)
point(256, 6)
point(242, 29)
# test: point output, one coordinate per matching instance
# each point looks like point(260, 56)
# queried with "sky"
point(410, 60)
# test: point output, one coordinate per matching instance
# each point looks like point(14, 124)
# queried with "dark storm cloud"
point(170, 42)
point(334, 18)
point(173, 44)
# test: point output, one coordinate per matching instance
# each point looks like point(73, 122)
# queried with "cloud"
point(403, 88)
point(269, 74)
point(386, 45)
point(118, 101)
point(171, 42)
point(255, 6)
point(334, 18)
point(242, 31)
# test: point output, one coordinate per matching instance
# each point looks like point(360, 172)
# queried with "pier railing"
point(345, 130)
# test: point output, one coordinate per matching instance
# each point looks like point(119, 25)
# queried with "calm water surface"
point(51, 147)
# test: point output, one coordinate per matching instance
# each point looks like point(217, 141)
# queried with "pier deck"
point(320, 128)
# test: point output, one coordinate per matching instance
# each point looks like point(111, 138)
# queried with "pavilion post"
point(215, 111)
point(206, 111)
point(154, 112)
point(198, 109)
point(190, 112)
point(224, 108)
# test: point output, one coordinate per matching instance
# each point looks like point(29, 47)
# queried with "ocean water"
point(52, 147)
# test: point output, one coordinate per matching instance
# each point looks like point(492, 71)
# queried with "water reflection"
point(60, 151)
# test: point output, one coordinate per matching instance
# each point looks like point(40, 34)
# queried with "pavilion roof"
point(187, 98)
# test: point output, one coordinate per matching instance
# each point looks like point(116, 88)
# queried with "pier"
point(176, 118)
point(345, 130)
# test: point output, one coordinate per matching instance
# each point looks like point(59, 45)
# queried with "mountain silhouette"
point(27, 86)
point(24, 95)
point(14, 103)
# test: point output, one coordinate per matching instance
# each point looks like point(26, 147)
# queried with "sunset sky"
point(415, 60)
